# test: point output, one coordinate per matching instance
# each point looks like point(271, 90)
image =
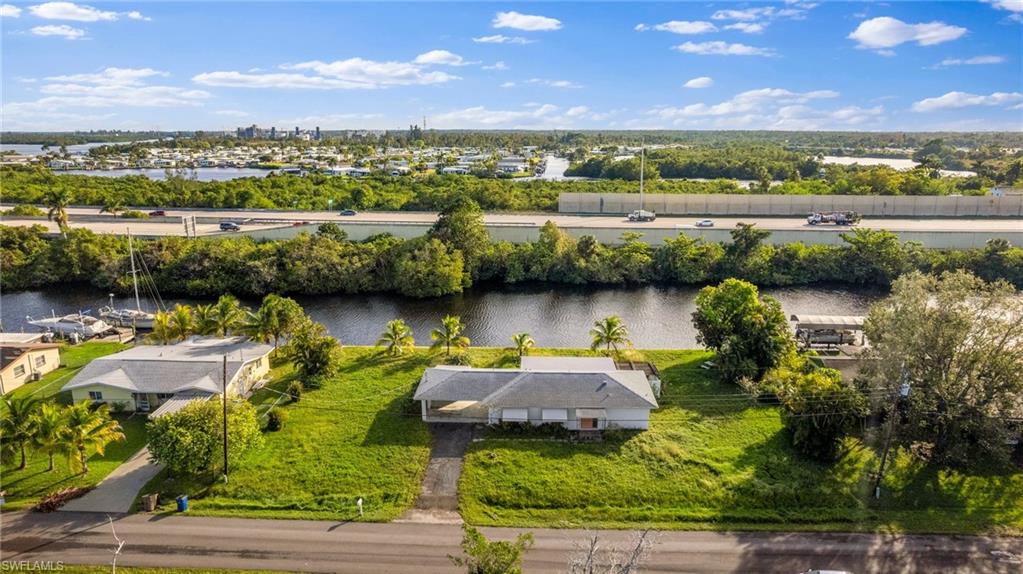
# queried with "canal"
point(657, 317)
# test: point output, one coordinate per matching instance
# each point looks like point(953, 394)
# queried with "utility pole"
point(642, 165)
point(225, 419)
point(902, 393)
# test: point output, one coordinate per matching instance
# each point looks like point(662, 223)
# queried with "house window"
point(40, 360)
point(95, 395)
point(19, 370)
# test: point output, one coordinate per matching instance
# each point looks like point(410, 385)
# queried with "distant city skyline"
point(792, 65)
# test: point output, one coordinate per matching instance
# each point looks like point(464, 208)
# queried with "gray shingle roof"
point(446, 383)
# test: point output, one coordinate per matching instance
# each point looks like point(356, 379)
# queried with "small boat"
point(81, 324)
point(127, 317)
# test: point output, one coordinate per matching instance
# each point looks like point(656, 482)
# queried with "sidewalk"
point(116, 493)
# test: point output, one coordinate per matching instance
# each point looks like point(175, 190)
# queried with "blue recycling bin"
point(183, 503)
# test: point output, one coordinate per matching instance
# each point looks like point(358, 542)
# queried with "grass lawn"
point(714, 460)
point(25, 487)
point(358, 436)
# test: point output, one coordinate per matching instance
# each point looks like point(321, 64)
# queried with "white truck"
point(836, 217)
point(642, 215)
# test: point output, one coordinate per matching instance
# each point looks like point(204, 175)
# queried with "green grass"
point(25, 487)
point(714, 460)
point(350, 439)
point(72, 359)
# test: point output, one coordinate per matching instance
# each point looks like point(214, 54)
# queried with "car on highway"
point(811, 571)
point(642, 215)
point(158, 213)
point(705, 223)
point(349, 212)
point(230, 226)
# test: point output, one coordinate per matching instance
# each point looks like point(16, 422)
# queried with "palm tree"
point(276, 317)
point(88, 430)
point(51, 420)
point(450, 333)
point(163, 330)
point(523, 343)
point(609, 332)
point(112, 205)
point(227, 314)
point(17, 426)
point(204, 321)
point(397, 338)
point(57, 200)
point(181, 322)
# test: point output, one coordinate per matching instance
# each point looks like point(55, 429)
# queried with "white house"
point(159, 379)
point(22, 362)
point(578, 393)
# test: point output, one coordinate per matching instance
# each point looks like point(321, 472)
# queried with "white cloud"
point(679, 27)
point(232, 113)
point(719, 48)
point(974, 61)
point(576, 111)
point(502, 39)
point(886, 32)
point(440, 57)
point(62, 30)
point(350, 74)
point(527, 22)
point(508, 85)
point(136, 15)
point(1014, 6)
point(9, 11)
point(747, 27)
point(701, 82)
point(499, 65)
point(80, 13)
point(553, 83)
point(748, 14)
point(953, 100)
point(111, 76)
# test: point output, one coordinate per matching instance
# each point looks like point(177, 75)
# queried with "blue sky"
point(696, 65)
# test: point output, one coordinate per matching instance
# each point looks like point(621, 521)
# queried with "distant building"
point(24, 362)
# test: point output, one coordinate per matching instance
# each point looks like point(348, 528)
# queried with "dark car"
point(230, 226)
point(349, 212)
point(158, 213)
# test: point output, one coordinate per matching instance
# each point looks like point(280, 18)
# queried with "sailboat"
point(81, 324)
point(127, 317)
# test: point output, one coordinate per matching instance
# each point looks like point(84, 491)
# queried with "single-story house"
point(24, 362)
point(580, 393)
point(159, 379)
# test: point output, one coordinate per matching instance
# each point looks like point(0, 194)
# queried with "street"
point(323, 546)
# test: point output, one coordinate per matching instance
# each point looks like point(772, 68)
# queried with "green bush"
point(134, 214)
point(275, 420)
point(295, 391)
point(25, 210)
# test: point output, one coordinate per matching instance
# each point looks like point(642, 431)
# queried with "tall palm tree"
point(523, 343)
point(112, 205)
point(276, 317)
point(57, 200)
point(17, 426)
point(88, 430)
point(450, 333)
point(610, 333)
point(204, 321)
point(51, 420)
point(181, 321)
point(227, 314)
point(397, 338)
point(163, 330)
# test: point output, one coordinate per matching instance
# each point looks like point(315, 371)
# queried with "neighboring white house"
point(24, 362)
point(578, 393)
point(159, 379)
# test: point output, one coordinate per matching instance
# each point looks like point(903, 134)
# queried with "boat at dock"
point(135, 318)
point(81, 324)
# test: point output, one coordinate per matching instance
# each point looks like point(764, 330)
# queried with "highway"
point(341, 546)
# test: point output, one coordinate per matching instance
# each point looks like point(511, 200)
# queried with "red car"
point(158, 213)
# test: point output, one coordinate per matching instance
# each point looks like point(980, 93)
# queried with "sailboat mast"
point(642, 165)
point(134, 275)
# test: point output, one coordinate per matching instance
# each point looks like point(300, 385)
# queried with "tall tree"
point(315, 353)
point(227, 314)
point(17, 426)
point(58, 199)
point(523, 343)
point(449, 334)
point(460, 226)
point(276, 317)
point(610, 333)
point(204, 320)
point(163, 328)
point(190, 440)
point(397, 338)
point(181, 322)
point(50, 425)
point(88, 430)
point(958, 343)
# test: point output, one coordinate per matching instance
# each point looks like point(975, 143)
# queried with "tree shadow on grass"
point(398, 423)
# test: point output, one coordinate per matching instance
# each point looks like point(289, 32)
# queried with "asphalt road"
point(256, 219)
point(316, 546)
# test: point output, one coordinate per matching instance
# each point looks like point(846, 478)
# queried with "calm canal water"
point(657, 317)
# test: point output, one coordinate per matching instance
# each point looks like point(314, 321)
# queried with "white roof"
point(568, 364)
point(20, 338)
point(829, 321)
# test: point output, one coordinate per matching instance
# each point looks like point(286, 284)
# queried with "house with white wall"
point(23, 362)
point(579, 393)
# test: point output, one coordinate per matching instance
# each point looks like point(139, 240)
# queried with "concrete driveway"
point(438, 496)
point(116, 493)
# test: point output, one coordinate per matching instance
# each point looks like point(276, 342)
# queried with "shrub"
point(275, 420)
point(295, 391)
point(118, 407)
point(460, 359)
point(56, 499)
point(25, 210)
point(134, 214)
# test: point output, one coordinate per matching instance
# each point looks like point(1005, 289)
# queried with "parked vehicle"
point(705, 223)
point(230, 226)
point(349, 212)
point(836, 217)
point(158, 213)
point(642, 215)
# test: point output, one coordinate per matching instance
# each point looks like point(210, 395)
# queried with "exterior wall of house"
point(21, 370)
point(621, 418)
point(110, 395)
point(249, 375)
point(629, 418)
